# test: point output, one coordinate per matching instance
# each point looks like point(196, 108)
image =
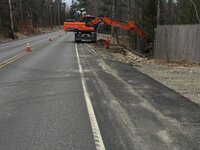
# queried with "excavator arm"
point(127, 25)
point(87, 30)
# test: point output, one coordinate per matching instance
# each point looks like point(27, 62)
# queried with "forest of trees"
point(29, 14)
point(146, 13)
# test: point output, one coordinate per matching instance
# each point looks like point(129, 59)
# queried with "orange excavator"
point(86, 30)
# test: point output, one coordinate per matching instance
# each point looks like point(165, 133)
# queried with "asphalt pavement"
point(43, 107)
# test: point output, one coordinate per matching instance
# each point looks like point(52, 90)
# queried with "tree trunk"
point(195, 8)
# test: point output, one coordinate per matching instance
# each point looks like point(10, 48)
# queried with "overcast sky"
point(68, 2)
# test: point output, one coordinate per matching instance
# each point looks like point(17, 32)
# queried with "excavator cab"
point(88, 19)
point(86, 33)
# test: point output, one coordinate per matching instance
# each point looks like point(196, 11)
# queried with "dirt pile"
point(115, 52)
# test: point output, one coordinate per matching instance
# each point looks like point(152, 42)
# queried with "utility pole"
point(115, 7)
point(59, 14)
point(50, 13)
point(115, 16)
point(11, 19)
point(158, 13)
point(20, 3)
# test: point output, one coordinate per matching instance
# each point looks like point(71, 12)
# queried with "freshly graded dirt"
point(184, 78)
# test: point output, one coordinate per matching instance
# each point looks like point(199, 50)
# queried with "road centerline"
point(12, 59)
point(94, 124)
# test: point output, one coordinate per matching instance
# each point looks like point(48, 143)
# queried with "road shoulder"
point(183, 78)
point(134, 110)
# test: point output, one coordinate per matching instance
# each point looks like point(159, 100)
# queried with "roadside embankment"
point(24, 33)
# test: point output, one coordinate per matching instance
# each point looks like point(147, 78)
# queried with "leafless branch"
point(195, 7)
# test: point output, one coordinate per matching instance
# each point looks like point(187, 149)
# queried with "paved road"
point(10, 49)
point(43, 102)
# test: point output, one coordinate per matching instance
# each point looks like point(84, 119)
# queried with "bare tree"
point(195, 8)
point(11, 19)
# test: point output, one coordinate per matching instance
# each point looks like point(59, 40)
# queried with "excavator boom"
point(86, 30)
point(126, 25)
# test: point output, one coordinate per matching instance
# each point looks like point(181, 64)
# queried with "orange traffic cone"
point(28, 47)
point(50, 39)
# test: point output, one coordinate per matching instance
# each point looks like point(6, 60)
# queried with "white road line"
point(95, 127)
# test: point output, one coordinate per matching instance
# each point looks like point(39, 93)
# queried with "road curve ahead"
point(63, 96)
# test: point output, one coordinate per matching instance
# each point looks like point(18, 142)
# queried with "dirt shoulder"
point(27, 33)
point(184, 78)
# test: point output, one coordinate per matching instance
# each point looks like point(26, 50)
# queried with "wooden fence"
point(178, 43)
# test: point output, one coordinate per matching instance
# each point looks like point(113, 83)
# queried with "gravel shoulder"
point(184, 78)
point(26, 34)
